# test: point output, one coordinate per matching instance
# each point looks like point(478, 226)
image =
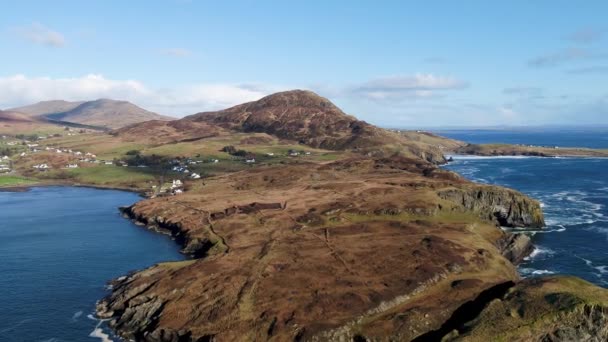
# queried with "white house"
point(195, 175)
point(72, 166)
point(41, 167)
point(5, 158)
point(176, 184)
point(250, 161)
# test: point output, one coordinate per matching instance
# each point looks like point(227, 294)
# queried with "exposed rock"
point(515, 247)
point(558, 308)
point(507, 207)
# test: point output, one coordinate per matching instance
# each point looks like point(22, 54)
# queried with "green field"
point(112, 175)
point(6, 181)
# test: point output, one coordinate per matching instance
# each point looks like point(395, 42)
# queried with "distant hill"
point(14, 117)
point(47, 107)
point(300, 116)
point(102, 113)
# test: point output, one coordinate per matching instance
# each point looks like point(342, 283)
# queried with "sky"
point(403, 63)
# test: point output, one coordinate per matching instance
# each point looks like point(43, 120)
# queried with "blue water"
point(581, 137)
point(574, 195)
point(58, 248)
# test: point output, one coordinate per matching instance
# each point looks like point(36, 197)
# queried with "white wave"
point(560, 229)
point(98, 333)
point(539, 272)
point(587, 261)
point(599, 230)
point(532, 271)
point(538, 251)
point(602, 269)
point(76, 315)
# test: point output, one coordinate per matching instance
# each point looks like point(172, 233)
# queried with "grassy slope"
point(10, 180)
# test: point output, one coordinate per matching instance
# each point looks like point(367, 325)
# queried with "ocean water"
point(58, 248)
point(574, 196)
point(572, 137)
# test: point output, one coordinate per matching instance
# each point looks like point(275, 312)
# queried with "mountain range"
point(103, 113)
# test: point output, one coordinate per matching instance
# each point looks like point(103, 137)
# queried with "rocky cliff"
point(506, 207)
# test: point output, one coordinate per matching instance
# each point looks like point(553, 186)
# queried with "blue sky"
point(392, 63)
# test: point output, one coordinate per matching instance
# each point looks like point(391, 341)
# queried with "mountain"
point(13, 117)
point(47, 107)
point(12, 123)
point(103, 112)
point(309, 119)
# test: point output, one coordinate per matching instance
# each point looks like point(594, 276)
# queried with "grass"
point(6, 181)
point(112, 175)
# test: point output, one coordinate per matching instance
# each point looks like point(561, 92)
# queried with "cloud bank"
point(20, 90)
point(394, 88)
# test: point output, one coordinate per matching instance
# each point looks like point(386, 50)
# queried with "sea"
point(573, 193)
point(59, 246)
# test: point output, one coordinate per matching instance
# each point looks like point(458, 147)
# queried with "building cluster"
point(5, 164)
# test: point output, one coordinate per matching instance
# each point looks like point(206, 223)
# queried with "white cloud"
point(177, 52)
point(20, 90)
point(412, 86)
point(42, 35)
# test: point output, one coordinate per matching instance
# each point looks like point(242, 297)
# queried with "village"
point(33, 156)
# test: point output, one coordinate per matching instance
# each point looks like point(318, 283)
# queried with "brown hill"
point(103, 112)
point(11, 116)
point(308, 119)
point(47, 107)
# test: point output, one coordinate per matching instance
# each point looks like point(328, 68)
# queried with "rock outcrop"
point(556, 308)
point(506, 207)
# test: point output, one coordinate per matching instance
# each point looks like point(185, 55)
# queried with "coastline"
point(24, 188)
point(506, 150)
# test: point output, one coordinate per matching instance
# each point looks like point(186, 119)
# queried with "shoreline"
point(25, 188)
point(521, 156)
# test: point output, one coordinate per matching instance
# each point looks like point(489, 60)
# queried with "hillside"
point(102, 113)
point(11, 116)
point(308, 119)
point(47, 107)
point(12, 122)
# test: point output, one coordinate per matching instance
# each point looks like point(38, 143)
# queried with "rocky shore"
point(360, 249)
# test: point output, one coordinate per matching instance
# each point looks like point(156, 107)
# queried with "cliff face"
point(557, 308)
point(506, 207)
point(360, 248)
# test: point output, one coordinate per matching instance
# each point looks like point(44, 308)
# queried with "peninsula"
point(304, 223)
